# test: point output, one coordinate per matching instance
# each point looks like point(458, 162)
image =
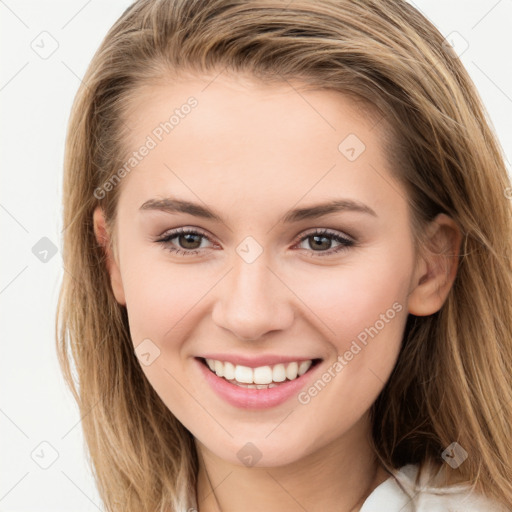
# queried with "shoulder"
point(400, 493)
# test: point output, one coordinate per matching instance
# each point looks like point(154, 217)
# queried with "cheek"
point(361, 310)
point(346, 299)
point(161, 298)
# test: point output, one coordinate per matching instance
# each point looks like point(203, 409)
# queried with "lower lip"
point(247, 398)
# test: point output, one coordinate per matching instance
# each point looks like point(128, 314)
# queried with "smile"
point(260, 387)
point(261, 377)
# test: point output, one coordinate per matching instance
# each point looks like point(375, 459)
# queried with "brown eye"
point(321, 242)
point(183, 241)
point(189, 240)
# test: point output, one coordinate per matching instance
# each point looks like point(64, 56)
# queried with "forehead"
point(229, 99)
point(214, 136)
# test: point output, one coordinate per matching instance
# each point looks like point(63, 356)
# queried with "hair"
point(452, 380)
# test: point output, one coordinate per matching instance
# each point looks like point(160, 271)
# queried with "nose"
point(252, 301)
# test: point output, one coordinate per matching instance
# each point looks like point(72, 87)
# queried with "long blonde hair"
point(453, 378)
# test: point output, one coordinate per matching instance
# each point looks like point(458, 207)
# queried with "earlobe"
point(103, 239)
point(436, 271)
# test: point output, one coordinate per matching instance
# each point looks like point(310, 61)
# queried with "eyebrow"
point(171, 205)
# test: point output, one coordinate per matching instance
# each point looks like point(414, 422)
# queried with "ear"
point(435, 272)
point(103, 238)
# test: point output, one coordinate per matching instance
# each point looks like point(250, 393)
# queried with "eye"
point(322, 239)
point(189, 240)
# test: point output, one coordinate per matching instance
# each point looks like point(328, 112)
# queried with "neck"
point(337, 477)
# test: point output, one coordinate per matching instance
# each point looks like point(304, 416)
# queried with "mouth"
point(261, 377)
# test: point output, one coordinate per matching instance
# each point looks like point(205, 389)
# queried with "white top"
point(389, 497)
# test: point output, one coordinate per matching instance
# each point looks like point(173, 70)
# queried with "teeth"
point(229, 371)
point(304, 367)
point(292, 370)
point(256, 386)
point(263, 375)
point(219, 368)
point(242, 373)
point(259, 378)
point(279, 373)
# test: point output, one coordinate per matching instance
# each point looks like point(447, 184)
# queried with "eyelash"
point(346, 243)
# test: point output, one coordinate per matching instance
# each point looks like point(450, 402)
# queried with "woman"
point(288, 244)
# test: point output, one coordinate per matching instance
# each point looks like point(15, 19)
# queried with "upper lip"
point(256, 361)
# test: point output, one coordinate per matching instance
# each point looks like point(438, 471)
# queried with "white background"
point(35, 101)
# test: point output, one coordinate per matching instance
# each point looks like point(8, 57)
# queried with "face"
point(223, 254)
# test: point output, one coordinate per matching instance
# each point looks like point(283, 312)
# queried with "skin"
point(251, 152)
